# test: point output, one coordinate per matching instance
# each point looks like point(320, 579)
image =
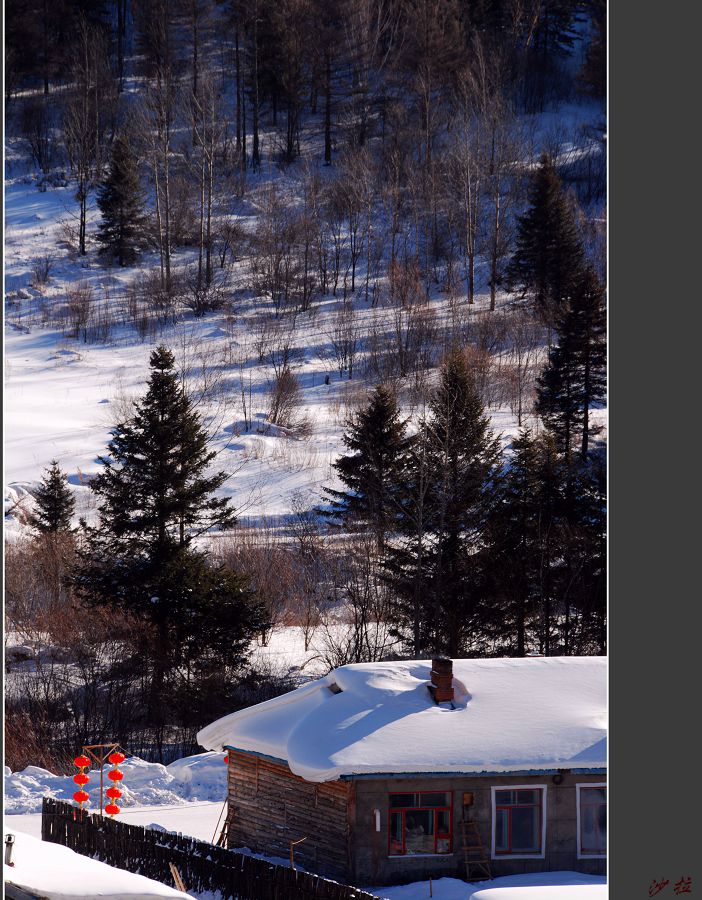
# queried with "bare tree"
point(285, 402)
point(86, 116)
point(344, 338)
point(37, 130)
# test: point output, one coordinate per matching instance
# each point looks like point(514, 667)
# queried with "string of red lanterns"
point(115, 776)
point(81, 779)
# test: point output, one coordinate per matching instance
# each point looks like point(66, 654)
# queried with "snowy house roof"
point(508, 715)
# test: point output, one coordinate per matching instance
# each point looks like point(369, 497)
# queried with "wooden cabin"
point(394, 772)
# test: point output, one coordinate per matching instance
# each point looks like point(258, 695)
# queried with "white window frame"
point(578, 786)
point(519, 787)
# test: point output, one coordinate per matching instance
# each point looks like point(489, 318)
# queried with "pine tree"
point(593, 73)
point(377, 439)
point(154, 496)
point(55, 502)
point(574, 379)
point(548, 260)
point(447, 498)
point(121, 202)
point(585, 557)
point(514, 560)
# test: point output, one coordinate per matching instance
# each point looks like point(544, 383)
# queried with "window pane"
point(593, 828)
point(504, 798)
point(593, 795)
point(435, 799)
point(527, 797)
point(395, 833)
point(443, 845)
point(403, 801)
point(419, 831)
point(525, 836)
point(442, 822)
point(502, 831)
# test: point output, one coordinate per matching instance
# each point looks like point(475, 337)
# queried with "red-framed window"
point(420, 823)
point(518, 821)
point(593, 820)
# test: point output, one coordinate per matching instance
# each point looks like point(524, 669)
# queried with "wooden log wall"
point(269, 807)
point(203, 867)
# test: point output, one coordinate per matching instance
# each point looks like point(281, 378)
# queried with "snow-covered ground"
point(188, 797)
point(63, 394)
point(57, 873)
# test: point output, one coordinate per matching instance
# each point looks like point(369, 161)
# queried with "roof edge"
point(596, 770)
point(482, 774)
point(275, 759)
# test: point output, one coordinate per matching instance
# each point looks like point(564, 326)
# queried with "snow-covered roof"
point(510, 715)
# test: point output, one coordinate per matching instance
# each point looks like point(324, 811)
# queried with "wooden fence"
point(202, 866)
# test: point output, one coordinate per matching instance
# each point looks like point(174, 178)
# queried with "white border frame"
point(519, 787)
point(578, 786)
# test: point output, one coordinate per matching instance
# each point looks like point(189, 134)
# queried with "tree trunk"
point(256, 156)
point(327, 108)
point(238, 88)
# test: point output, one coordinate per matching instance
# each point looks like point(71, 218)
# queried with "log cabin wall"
point(268, 807)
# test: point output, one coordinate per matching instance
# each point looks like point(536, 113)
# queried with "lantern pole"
point(100, 759)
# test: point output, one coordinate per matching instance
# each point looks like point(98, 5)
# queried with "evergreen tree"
point(154, 497)
point(446, 497)
point(548, 260)
point(585, 557)
point(377, 439)
point(121, 203)
point(594, 70)
point(548, 551)
point(55, 502)
point(574, 379)
point(515, 557)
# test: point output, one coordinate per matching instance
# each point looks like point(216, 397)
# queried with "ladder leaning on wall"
point(474, 853)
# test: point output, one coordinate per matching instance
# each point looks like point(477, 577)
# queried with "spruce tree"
point(548, 260)
point(585, 557)
point(377, 439)
point(121, 202)
point(446, 497)
point(463, 457)
point(593, 73)
point(155, 499)
point(55, 502)
point(515, 556)
point(574, 379)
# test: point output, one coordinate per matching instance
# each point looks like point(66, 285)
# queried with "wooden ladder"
point(474, 853)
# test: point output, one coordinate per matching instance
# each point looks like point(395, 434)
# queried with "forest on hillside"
point(399, 203)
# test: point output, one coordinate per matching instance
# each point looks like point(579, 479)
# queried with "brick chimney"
point(442, 679)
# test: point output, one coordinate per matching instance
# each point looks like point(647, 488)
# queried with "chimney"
point(442, 679)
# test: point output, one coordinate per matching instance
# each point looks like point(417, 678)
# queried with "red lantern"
point(226, 758)
point(81, 797)
point(116, 758)
point(82, 761)
point(113, 793)
point(81, 778)
point(115, 775)
point(112, 809)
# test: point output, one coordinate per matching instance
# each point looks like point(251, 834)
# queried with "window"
point(420, 823)
point(518, 821)
point(592, 820)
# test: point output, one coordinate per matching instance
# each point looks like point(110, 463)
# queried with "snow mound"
point(57, 873)
point(200, 777)
point(533, 886)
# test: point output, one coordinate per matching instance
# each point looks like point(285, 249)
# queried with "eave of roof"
point(455, 774)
